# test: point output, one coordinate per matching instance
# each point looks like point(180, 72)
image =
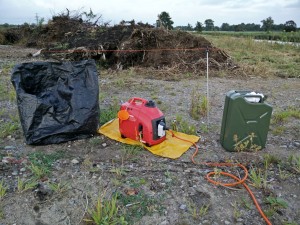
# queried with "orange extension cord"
point(238, 180)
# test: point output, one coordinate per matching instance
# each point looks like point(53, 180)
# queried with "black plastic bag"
point(57, 101)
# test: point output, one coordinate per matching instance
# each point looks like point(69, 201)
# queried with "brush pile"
point(127, 44)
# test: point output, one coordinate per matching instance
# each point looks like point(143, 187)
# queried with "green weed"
point(276, 203)
point(106, 212)
point(59, 187)
point(197, 212)
point(96, 141)
point(246, 204)
point(110, 112)
point(137, 206)
point(131, 151)
point(278, 130)
point(182, 126)
point(38, 171)
point(119, 171)
point(135, 182)
point(199, 105)
point(295, 163)
point(8, 128)
point(41, 163)
point(271, 159)
point(246, 144)
point(282, 174)
point(2, 216)
point(236, 211)
point(282, 116)
point(258, 178)
point(289, 223)
point(3, 189)
point(26, 185)
point(45, 160)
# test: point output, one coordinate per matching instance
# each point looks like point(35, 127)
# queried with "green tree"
point(209, 24)
point(189, 27)
point(225, 27)
point(290, 26)
point(267, 24)
point(165, 20)
point(199, 27)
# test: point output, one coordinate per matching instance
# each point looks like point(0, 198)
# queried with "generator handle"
point(136, 99)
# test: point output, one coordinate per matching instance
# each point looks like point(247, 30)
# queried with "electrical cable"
point(238, 180)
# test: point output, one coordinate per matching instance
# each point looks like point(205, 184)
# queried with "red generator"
point(141, 120)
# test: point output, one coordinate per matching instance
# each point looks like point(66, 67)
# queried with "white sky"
point(182, 12)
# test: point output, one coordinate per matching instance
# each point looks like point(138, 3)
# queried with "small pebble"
point(9, 147)
point(15, 173)
point(182, 207)
point(74, 161)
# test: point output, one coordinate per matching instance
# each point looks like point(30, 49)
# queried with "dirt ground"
point(152, 189)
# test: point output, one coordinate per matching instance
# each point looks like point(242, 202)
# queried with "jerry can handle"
point(253, 96)
point(136, 99)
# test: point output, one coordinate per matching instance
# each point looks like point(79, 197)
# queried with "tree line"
point(164, 20)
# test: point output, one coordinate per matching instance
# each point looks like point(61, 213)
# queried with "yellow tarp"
point(172, 147)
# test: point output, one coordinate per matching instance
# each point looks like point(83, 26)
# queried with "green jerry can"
point(245, 123)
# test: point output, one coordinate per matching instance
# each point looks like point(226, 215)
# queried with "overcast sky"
point(182, 12)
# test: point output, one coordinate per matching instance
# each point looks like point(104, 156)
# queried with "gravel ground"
point(160, 190)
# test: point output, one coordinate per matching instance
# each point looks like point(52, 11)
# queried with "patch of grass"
point(182, 126)
point(275, 204)
point(295, 163)
point(3, 189)
point(197, 212)
point(25, 185)
point(11, 125)
point(258, 178)
point(271, 159)
point(119, 171)
point(41, 163)
point(106, 212)
point(59, 187)
point(236, 211)
point(135, 182)
point(8, 128)
point(38, 171)
point(95, 141)
point(282, 174)
point(44, 159)
point(2, 216)
point(289, 223)
point(278, 130)
point(282, 116)
point(131, 152)
point(199, 105)
point(7, 68)
point(109, 113)
point(137, 206)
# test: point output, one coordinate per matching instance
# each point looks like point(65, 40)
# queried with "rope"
point(80, 49)
point(238, 180)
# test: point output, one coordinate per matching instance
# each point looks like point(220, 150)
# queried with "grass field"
point(260, 58)
point(274, 35)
